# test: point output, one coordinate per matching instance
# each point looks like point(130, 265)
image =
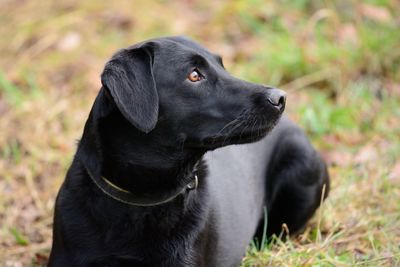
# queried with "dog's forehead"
point(183, 46)
point(186, 42)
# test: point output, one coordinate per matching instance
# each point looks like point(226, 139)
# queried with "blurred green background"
point(338, 60)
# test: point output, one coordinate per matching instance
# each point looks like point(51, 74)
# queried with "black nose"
point(277, 98)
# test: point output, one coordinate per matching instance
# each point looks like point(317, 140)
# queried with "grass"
point(338, 60)
point(358, 225)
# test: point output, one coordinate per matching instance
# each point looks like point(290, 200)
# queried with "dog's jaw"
point(248, 128)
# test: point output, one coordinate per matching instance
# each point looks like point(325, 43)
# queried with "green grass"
point(11, 92)
point(19, 238)
point(359, 223)
point(338, 60)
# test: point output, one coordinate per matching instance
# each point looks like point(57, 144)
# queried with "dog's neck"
point(137, 162)
point(133, 174)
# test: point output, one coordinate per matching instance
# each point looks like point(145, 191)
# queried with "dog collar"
point(124, 196)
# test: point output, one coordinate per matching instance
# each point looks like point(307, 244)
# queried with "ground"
point(339, 61)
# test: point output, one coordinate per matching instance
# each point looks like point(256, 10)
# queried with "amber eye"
point(195, 76)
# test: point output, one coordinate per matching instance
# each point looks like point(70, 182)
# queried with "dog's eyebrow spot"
point(199, 61)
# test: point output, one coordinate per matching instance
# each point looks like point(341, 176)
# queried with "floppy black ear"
point(129, 78)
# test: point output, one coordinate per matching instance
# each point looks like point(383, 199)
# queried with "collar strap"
point(126, 197)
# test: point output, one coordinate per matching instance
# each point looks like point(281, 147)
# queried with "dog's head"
point(176, 87)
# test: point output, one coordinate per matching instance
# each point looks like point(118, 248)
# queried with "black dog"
point(154, 182)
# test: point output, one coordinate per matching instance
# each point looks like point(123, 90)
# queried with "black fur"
point(149, 128)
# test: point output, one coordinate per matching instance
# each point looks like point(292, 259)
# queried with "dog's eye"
point(195, 76)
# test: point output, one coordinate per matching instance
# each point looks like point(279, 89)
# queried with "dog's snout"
point(277, 98)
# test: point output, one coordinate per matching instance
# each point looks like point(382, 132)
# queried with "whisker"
point(246, 126)
point(254, 127)
point(228, 124)
point(240, 123)
point(233, 121)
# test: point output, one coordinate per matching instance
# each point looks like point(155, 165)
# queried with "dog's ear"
point(128, 76)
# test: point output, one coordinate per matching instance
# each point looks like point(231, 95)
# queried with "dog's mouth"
point(245, 129)
point(245, 136)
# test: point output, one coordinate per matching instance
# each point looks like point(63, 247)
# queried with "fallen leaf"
point(70, 41)
point(379, 14)
point(365, 154)
point(394, 175)
point(41, 259)
point(347, 33)
point(393, 88)
point(11, 263)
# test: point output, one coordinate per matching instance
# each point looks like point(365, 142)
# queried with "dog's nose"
point(277, 98)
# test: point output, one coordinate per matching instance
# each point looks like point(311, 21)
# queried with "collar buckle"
point(193, 184)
